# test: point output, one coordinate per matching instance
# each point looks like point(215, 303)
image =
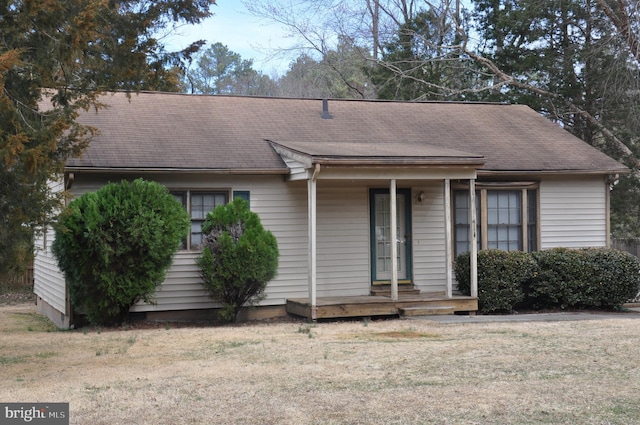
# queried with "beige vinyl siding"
point(343, 256)
point(181, 288)
point(429, 246)
point(573, 212)
point(343, 245)
point(48, 280)
point(49, 283)
point(282, 208)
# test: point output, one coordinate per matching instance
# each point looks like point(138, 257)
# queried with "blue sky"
point(242, 33)
point(250, 36)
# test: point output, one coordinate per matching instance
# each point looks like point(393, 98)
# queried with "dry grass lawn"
point(376, 372)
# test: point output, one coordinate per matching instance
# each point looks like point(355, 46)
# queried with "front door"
point(381, 235)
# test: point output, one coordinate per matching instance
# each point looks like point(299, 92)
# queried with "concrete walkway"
point(632, 313)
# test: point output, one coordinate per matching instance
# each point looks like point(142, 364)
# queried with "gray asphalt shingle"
point(178, 131)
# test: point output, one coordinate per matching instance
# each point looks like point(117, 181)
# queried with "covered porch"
point(393, 180)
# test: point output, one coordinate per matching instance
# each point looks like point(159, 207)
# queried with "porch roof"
point(399, 153)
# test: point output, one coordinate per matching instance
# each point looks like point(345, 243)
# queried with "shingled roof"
point(165, 131)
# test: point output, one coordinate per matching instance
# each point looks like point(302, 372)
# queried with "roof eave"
point(398, 161)
point(155, 170)
point(490, 172)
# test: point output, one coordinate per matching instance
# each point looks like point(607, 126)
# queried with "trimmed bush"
point(239, 257)
point(115, 245)
point(559, 283)
point(556, 278)
point(501, 278)
point(584, 278)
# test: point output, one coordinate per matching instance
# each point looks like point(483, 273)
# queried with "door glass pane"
point(382, 218)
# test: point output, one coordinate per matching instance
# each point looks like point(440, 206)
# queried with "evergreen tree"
point(219, 70)
point(567, 60)
point(562, 47)
point(419, 63)
point(239, 257)
point(70, 51)
point(115, 246)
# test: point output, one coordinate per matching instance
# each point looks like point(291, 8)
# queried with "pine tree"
point(56, 57)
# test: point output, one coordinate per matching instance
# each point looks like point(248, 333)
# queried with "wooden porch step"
point(426, 310)
point(368, 306)
point(385, 290)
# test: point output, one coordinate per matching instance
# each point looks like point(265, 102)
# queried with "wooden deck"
point(378, 305)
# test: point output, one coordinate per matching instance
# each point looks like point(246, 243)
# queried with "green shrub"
point(239, 257)
point(559, 283)
point(584, 278)
point(115, 245)
point(462, 272)
point(556, 278)
point(502, 276)
point(616, 276)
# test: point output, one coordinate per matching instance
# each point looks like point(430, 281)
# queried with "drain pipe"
point(313, 293)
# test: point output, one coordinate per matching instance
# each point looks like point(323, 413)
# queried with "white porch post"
point(448, 232)
point(394, 240)
point(474, 238)
point(312, 212)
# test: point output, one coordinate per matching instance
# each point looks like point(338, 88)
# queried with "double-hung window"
point(507, 217)
point(198, 204)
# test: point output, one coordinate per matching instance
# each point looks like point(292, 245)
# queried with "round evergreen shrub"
point(115, 246)
point(239, 257)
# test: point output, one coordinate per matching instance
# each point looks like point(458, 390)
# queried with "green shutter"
point(242, 194)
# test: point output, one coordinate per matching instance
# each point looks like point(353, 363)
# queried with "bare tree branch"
point(622, 21)
point(507, 79)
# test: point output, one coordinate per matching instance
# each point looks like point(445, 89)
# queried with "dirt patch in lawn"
point(356, 372)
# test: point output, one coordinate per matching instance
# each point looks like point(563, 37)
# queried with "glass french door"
point(381, 235)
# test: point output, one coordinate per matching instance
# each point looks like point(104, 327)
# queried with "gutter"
point(316, 171)
point(485, 172)
point(129, 170)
